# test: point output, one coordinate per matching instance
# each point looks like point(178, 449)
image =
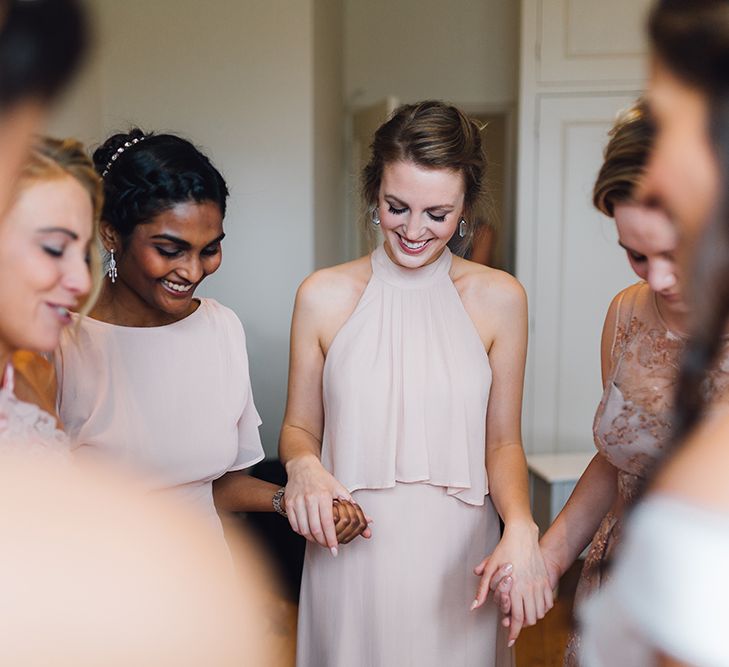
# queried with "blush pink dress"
point(405, 387)
point(633, 420)
point(173, 404)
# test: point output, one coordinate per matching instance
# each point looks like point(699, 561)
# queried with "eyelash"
point(176, 253)
point(400, 211)
point(637, 258)
point(168, 253)
point(53, 252)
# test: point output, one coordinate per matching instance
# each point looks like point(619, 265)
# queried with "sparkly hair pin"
point(119, 151)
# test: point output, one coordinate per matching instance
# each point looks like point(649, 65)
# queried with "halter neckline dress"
point(405, 388)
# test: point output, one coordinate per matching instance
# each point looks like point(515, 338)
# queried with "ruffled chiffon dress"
point(406, 384)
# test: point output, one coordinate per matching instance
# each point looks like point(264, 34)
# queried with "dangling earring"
point(375, 216)
point(462, 228)
point(111, 269)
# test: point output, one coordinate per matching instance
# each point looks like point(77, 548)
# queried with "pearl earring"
point(111, 269)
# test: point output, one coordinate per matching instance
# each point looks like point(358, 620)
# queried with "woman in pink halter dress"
point(46, 239)
point(405, 396)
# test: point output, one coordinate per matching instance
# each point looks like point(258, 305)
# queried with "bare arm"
point(311, 490)
point(506, 465)
point(595, 492)
point(237, 491)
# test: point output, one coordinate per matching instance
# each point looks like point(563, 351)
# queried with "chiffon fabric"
point(25, 429)
point(173, 404)
point(405, 387)
point(667, 593)
point(633, 420)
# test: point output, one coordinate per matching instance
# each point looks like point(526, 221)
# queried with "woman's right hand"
point(310, 494)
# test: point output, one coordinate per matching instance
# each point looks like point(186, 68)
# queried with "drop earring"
point(462, 228)
point(375, 216)
point(111, 269)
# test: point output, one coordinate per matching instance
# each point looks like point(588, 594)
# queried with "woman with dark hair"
point(665, 602)
point(155, 379)
point(41, 44)
point(405, 390)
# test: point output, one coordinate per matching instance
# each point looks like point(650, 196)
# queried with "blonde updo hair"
point(434, 135)
point(625, 158)
point(56, 158)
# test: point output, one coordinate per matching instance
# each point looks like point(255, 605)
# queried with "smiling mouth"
point(62, 312)
point(178, 288)
point(413, 246)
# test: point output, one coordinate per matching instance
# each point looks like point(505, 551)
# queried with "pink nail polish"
point(512, 642)
point(334, 551)
point(474, 604)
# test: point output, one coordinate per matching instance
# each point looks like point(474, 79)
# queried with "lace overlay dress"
point(633, 419)
point(25, 429)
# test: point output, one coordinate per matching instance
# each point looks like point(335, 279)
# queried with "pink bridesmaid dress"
point(406, 384)
point(172, 404)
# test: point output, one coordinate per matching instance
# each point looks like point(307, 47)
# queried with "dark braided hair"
point(152, 175)
point(691, 37)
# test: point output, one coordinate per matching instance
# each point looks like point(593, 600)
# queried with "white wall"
point(464, 51)
point(238, 78)
point(329, 174)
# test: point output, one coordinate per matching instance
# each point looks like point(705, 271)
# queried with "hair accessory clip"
point(119, 151)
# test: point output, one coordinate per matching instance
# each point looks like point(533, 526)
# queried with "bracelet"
point(277, 498)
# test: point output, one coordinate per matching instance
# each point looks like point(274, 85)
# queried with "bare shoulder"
point(334, 286)
point(327, 298)
point(489, 287)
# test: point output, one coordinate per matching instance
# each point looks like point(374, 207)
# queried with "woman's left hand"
point(531, 593)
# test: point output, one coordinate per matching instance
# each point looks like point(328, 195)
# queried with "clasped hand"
point(322, 510)
point(517, 575)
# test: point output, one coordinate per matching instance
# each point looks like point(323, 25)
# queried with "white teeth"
point(413, 246)
point(63, 312)
point(176, 287)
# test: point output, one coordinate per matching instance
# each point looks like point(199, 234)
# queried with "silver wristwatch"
point(277, 498)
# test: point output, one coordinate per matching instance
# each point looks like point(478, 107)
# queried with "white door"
point(581, 63)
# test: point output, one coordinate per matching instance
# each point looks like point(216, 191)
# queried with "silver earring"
point(375, 216)
point(462, 228)
point(111, 269)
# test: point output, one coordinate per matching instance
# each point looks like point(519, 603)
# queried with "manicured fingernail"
point(512, 642)
point(334, 551)
point(508, 568)
point(474, 604)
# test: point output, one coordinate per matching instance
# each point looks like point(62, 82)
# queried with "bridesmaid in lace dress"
point(405, 395)
point(654, 611)
point(46, 243)
point(643, 338)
